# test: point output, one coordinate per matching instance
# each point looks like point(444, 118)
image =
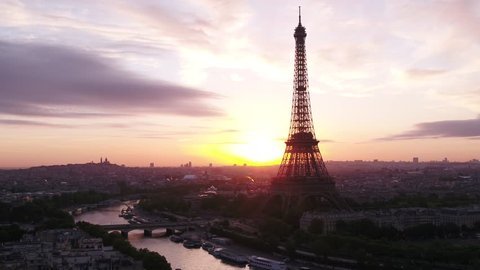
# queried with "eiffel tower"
point(302, 173)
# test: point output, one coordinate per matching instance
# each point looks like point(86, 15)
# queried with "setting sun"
point(259, 149)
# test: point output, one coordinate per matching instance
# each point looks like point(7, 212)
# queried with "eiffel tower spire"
point(299, 15)
point(302, 158)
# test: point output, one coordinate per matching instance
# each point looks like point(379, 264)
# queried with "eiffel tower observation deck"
point(302, 171)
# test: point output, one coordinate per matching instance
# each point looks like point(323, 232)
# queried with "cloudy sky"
point(211, 80)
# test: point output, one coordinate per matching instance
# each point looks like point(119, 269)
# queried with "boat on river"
point(256, 262)
point(232, 257)
point(207, 246)
point(192, 243)
point(131, 221)
point(176, 238)
point(126, 213)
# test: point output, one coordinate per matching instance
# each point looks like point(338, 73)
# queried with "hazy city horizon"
point(147, 165)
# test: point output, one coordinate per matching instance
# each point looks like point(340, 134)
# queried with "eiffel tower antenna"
point(299, 15)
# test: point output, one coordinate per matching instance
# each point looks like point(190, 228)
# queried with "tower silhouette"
point(303, 173)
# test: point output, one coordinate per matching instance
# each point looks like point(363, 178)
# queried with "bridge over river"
point(149, 227)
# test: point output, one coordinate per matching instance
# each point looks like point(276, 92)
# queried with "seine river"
point(177, 255)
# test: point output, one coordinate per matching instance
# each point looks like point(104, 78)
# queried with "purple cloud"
point(469, 128)
point(17, 122)
point(54, 81)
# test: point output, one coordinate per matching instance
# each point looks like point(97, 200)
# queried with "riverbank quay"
point(240, 245)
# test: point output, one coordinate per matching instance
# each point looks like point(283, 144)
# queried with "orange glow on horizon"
point(258, 149)
point(258, 152)
point(254, 149)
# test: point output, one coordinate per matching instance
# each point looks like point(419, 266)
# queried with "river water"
point(177, 255)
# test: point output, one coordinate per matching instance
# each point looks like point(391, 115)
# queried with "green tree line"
point(151, 260)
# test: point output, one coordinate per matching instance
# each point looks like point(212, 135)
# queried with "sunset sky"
point(211, 81)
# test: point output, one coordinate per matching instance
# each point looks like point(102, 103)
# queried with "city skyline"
point(211, 81)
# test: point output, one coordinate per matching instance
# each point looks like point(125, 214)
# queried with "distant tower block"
point(152, 165)
point(415, 160)
point(303, 173)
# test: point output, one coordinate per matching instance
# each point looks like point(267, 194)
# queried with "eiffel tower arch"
point(302, 175)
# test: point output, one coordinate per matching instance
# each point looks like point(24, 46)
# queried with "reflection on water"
point(103, 216)
point(177, 255)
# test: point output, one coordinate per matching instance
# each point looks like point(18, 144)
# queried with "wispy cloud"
point(45, 80)
point(469, 128)
point(29, 123)
point(194, 131)
point(327, 141)
point(416, 73)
